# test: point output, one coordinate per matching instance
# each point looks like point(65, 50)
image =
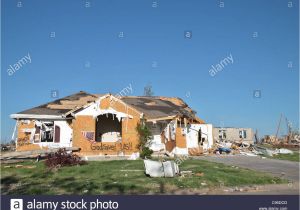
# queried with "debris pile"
point(291, 140)
point(269, 152)
point(244, 148)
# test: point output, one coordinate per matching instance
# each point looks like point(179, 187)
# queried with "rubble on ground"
point(247, 149)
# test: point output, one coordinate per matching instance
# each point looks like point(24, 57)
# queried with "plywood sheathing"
point(180, 138)
point(68, 104)
point(23, 140)
point(130, 138)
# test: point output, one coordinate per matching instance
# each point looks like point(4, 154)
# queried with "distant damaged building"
point(103, 124)
point(232, 134)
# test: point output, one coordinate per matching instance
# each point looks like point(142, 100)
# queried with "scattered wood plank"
point(33, 153)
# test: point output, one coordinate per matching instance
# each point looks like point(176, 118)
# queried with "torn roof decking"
point(62, 106)
point(159, 107)
point(152, 107)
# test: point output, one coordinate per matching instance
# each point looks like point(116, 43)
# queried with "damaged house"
point(102, 124)
point(232, 134)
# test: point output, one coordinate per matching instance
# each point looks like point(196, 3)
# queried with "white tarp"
point(161, 169)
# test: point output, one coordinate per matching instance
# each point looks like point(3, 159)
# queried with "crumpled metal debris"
point(268, 152)
point(161, 169)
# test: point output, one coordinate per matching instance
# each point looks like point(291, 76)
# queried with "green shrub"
point(145, 137)
point(146, 153)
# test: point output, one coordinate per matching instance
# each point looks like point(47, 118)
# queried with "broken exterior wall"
point(169, 144)
point(185, 141)
point(174, 138)
point(87, 123)
point(157, 142)
point(233, 134)
point(25, 138)
point(180, 139)
point(193, 143)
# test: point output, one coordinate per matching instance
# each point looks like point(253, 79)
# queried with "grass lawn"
point(291, 157)
point(122, 177)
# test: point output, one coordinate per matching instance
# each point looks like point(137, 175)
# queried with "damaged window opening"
point(243, 134)
point(200, 137)
point(46, 131)
point(202, 141)
point(222, 134)
point(108, 128)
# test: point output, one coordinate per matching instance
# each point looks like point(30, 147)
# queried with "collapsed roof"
point(160, 107)
point(152, 107)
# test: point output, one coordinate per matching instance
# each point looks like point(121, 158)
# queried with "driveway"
point(280, 168)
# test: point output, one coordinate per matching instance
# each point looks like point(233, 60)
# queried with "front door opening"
point(108, 128)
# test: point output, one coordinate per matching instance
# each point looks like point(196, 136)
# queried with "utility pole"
point(278, 128)
point(289, 131)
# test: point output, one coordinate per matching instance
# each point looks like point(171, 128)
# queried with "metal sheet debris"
point(161, 169)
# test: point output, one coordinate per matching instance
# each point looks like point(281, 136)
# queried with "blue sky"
point(156, 35)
